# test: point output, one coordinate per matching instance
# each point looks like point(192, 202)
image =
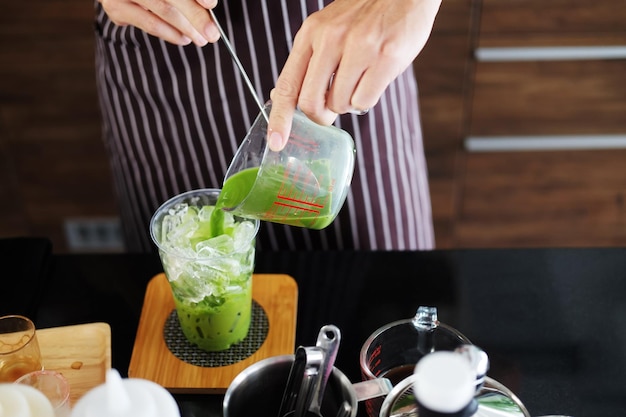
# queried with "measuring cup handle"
point(372, 388)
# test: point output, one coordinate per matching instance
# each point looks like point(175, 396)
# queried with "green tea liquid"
point(271, 199)
point(216, 323)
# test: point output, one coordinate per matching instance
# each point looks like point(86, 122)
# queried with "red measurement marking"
point(302, 142)
point(278, 203)
point(303, 202)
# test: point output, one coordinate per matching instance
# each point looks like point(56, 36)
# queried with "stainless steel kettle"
point(491, 397)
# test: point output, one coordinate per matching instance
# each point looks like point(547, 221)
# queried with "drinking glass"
point(54, 386)
point(19, 349)
point(208, 258)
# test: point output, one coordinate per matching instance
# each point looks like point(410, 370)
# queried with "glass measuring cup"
point(303, 185)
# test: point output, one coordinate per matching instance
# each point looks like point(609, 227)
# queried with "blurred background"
point(523, 110)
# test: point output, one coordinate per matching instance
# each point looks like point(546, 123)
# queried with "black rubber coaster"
point(178, 344)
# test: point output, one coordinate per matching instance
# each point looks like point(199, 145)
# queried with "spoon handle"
point(242, 70)
point(328, 340)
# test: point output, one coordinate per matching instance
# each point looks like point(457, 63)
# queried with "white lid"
point(445, 382)
point(132, 397)
point(17, 400)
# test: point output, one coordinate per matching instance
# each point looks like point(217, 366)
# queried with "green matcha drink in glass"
point(208, 257)
point(303, 185)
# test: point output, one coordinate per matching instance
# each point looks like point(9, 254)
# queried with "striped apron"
point(173, 117)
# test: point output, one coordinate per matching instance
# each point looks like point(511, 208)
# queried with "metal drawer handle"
point(550, 53)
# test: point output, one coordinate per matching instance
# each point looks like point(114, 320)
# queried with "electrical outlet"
point(102, 234)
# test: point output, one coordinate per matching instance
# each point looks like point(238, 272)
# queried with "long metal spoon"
point(305, 371)
point(294, 382)
point(242, 70)
point(319, 365)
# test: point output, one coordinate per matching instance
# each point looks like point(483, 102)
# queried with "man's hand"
point(345, 56)
point(177, 21)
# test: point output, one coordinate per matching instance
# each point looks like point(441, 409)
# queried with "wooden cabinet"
point(506, 21)
point(550, 68)
point(546, 72)
point(534, 199)
point(52, 160)
point(480, 84)
point(549, 98)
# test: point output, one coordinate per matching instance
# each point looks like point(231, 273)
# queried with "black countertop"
point(553, 321)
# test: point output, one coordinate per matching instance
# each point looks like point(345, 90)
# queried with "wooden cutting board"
point(82, 353)
point(151, 358)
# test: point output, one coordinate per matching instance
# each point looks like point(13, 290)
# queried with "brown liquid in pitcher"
point(397, 374)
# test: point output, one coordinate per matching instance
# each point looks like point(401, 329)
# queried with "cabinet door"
point(550, 68)
point(543, 199)
point(584, 97)
point(543, 71)
point(504, 19)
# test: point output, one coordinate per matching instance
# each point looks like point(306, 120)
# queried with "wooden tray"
point(82, 353)
point(151, 359)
